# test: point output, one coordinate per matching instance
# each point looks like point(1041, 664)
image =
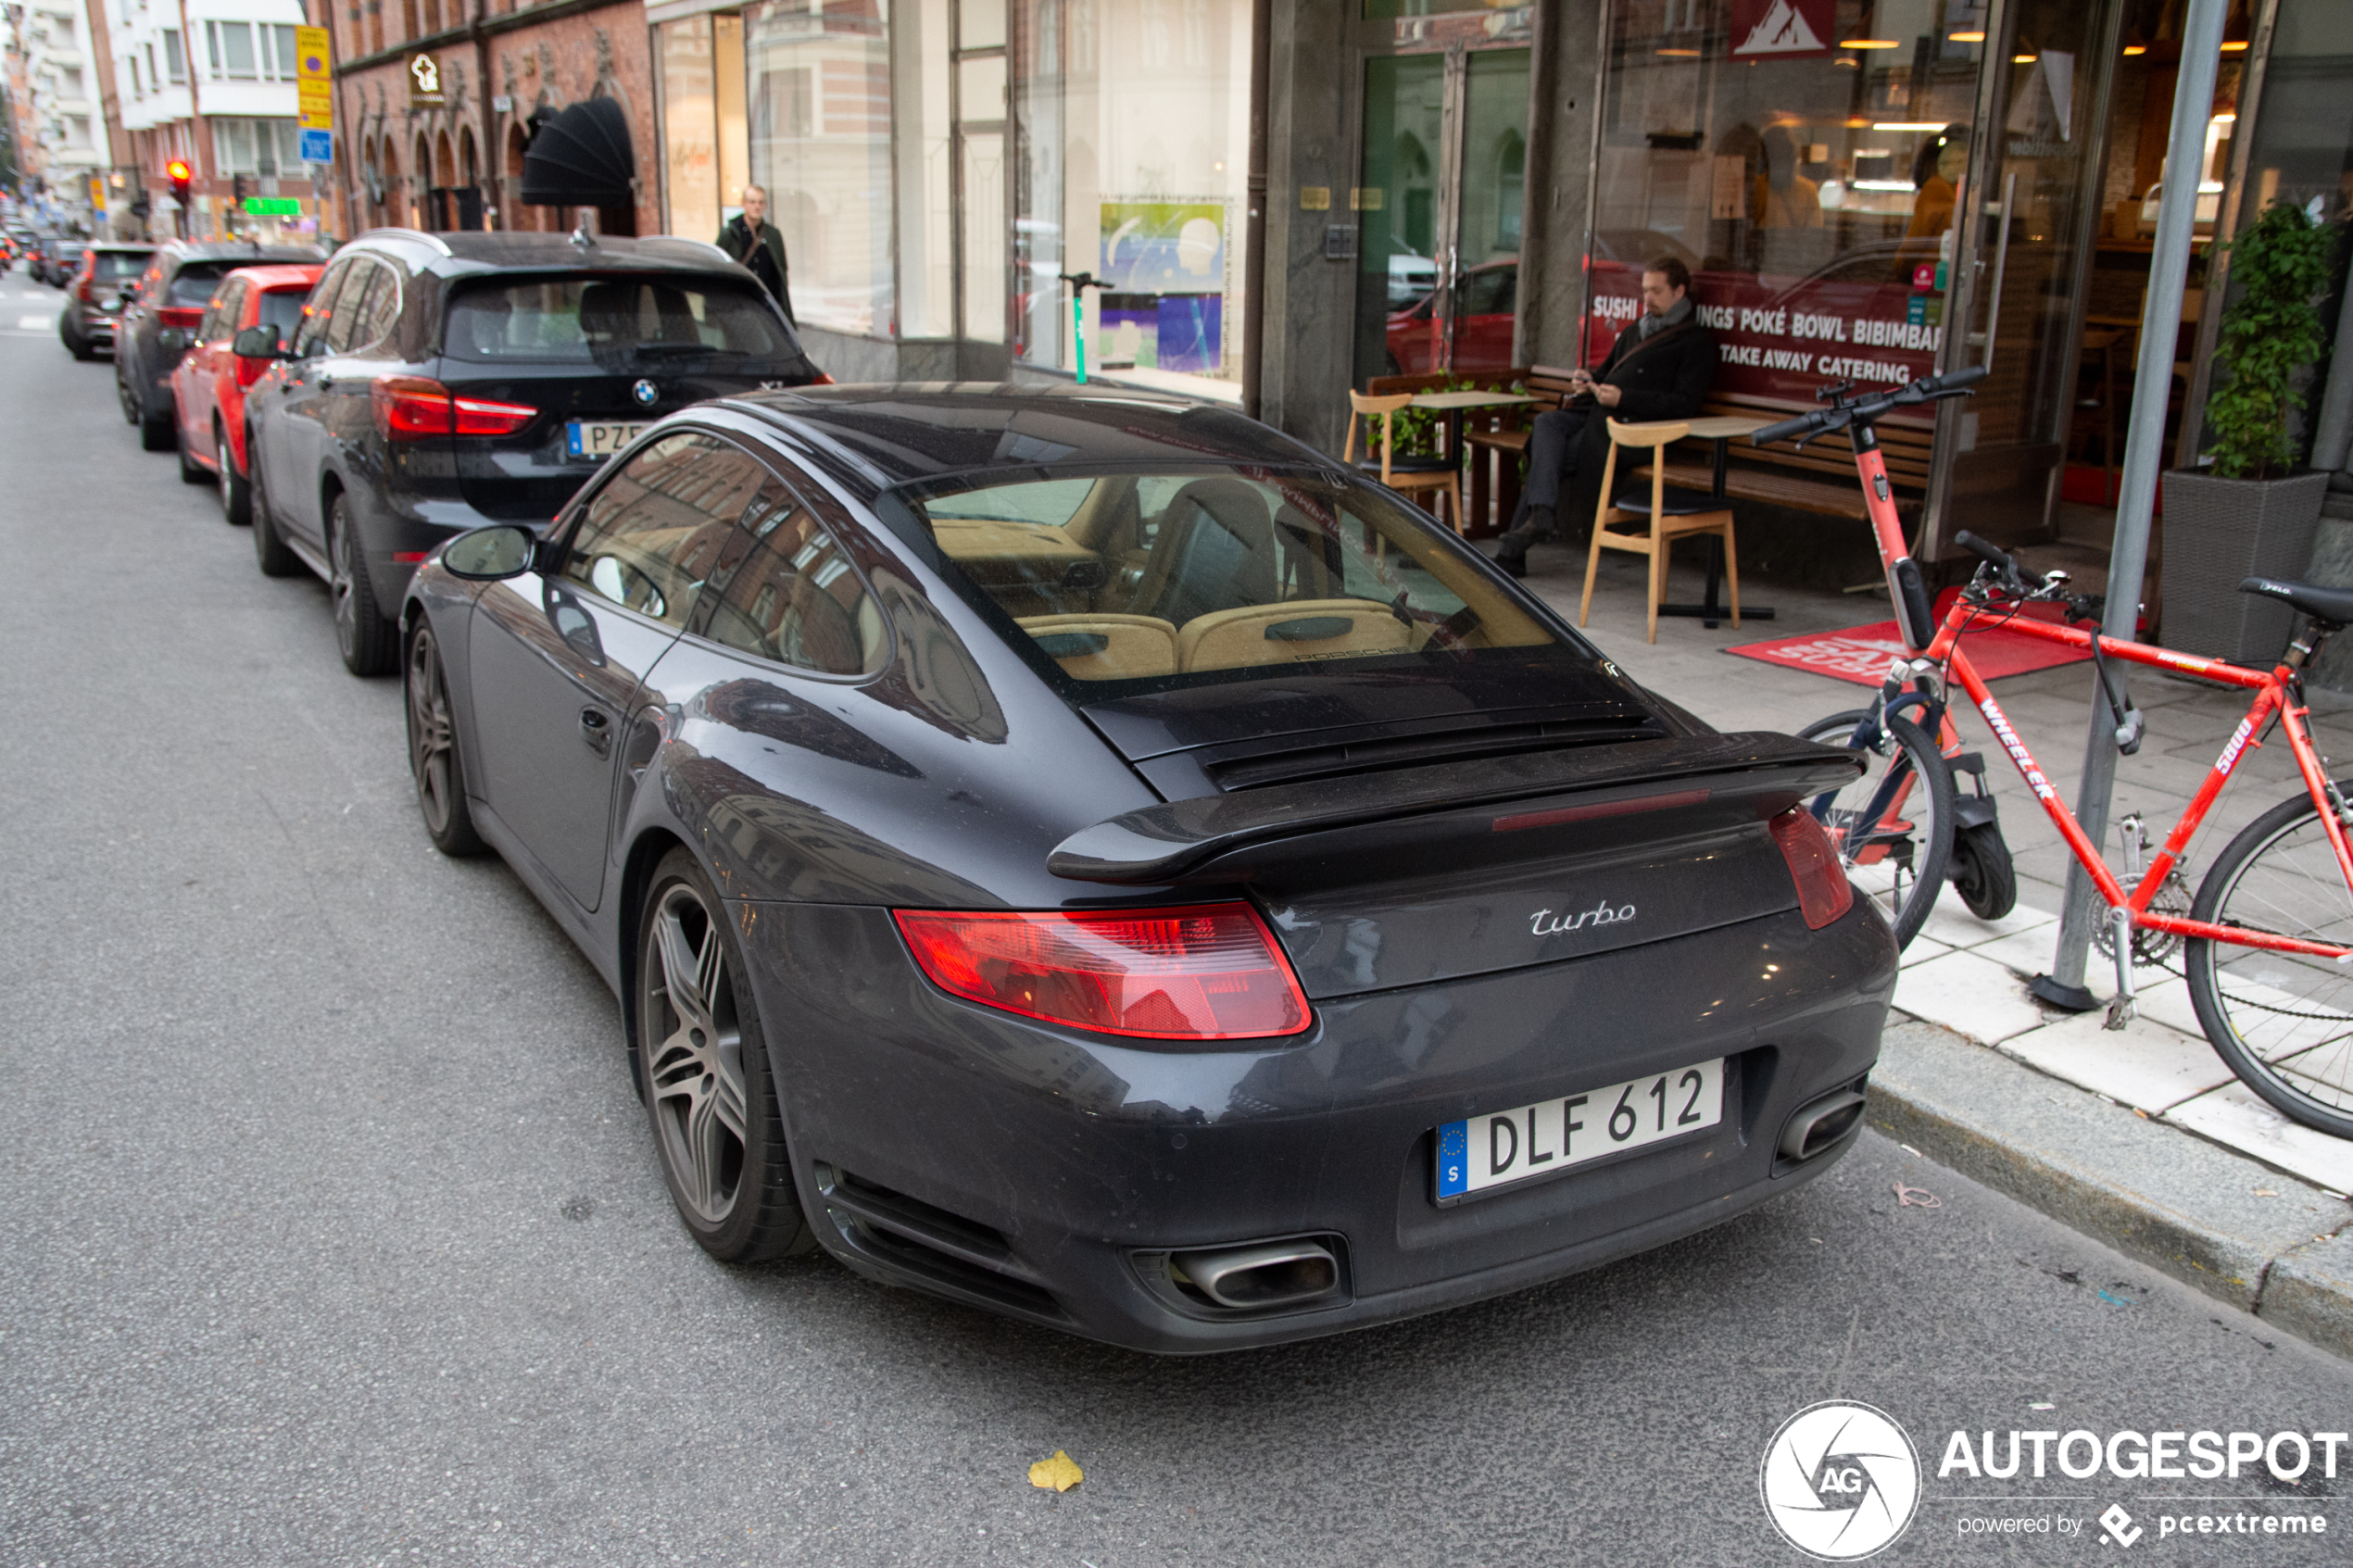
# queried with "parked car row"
point(1080, 852)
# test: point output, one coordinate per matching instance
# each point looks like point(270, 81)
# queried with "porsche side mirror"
point(257, 342)
point(487, 555)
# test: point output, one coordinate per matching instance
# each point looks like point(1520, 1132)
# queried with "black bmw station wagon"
point(440, 381)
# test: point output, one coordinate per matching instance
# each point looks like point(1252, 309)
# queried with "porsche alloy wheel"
point(705, 1079)
point(434, 758)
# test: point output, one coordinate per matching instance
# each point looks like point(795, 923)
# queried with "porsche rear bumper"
point(1046, 1173)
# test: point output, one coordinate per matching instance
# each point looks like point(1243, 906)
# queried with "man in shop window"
point(751, 239)
point(1659, 368)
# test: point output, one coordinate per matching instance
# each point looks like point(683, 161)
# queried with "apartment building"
point(212, 83)
point(62, 130)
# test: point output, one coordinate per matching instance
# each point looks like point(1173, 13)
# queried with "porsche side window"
point(1165, 576)
point(653, 531)
point(795, 599)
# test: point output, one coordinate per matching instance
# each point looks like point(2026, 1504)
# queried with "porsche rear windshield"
point(1163, 577)
point(609, 321)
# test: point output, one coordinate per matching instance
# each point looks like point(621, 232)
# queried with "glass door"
point(1440, 211)
point(2018, 250)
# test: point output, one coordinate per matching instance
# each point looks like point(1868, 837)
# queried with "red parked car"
point(209, 387)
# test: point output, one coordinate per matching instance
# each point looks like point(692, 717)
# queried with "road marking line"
point(34, 323)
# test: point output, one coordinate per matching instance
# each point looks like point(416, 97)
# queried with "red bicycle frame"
point(2273, 694)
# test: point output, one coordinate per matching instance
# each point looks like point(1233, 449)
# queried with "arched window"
point(1511, 188)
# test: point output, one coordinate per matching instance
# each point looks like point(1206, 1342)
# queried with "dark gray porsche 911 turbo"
point(1087, 855)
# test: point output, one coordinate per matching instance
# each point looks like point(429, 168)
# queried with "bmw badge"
point(646, 393)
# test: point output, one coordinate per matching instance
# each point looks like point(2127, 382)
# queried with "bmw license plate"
point(1507, 1147)
point(599, 438)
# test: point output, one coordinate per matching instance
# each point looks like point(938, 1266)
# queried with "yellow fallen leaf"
point(1059, 1473)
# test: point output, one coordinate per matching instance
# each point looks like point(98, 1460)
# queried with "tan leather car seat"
point(1106, 647)
point(1303, 629)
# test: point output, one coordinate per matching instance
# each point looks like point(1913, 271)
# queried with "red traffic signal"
point(181, 174)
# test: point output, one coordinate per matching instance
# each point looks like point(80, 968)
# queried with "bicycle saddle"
point(2331, 605)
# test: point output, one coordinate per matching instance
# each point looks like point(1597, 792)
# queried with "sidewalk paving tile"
point(2233, 1115)
point(2147, 1065)
point(1973, 997)
point(1951, 923)
point(1921, 950)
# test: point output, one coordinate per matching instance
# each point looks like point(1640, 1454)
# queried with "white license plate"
point(598, 438)
point(1505, 1146)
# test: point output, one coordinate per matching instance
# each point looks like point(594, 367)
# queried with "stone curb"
point(2153, 1192)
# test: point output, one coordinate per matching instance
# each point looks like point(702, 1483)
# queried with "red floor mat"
point(1861, 653)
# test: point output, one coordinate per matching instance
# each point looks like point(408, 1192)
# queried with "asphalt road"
point(330, 1232)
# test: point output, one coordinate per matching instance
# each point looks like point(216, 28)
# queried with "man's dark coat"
point(736, 240)
point(1663, 378)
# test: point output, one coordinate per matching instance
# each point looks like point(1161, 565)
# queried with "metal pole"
point(2144, 454)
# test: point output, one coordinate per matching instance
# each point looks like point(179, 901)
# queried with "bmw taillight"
point(1207, 972)
point(417, 407)
point(1824, 892)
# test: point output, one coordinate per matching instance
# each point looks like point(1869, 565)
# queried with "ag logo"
point(1839, 1480)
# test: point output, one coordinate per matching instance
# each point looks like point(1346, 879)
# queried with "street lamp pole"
point(2136, 497)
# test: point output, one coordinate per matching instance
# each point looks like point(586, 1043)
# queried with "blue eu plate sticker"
point(1454, 1160)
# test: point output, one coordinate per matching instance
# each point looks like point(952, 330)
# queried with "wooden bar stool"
point(1443, 474)
point(1665, 513)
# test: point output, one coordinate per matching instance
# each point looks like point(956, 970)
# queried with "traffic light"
point(182, 176)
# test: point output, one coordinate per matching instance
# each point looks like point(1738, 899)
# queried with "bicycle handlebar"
point(1991, 554)
point(1804, 427)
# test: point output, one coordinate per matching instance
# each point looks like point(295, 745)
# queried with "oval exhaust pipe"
point(1815, 1126)
point(1282, 1274)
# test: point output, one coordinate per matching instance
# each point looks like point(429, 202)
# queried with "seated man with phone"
point(1659, 368)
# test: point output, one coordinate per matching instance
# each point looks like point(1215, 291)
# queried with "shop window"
point(1134, 139)
point(818, 115)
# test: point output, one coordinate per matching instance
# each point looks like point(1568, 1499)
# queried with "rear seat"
point(1127, 647)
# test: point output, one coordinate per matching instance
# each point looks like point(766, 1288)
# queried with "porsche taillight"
point(1207, 972)
point(1824, 892)
point(416, 407)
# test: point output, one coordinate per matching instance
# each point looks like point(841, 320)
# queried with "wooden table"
point(1452, 404)
point(1723, 429)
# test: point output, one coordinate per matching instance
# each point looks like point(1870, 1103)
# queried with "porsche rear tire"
point(702, 1066)
point(435, 761)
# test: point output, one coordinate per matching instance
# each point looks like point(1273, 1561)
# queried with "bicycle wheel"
point(2282, 1020)
point(1892, 826)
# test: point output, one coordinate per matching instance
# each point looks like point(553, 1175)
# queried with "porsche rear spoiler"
point(1214, 837)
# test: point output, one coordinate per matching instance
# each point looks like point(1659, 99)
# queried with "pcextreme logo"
point(1839, 1480)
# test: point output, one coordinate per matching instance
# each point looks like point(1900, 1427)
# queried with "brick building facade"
point(458, 164)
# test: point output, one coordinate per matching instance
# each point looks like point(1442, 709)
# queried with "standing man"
point(751, 239)
point(1659, 368)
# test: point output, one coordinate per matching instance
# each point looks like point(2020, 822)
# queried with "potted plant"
point(2251, 511)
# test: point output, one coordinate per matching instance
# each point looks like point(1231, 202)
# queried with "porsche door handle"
point(596, 729)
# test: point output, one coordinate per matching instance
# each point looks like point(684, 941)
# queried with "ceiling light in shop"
point(1882, 184)
point(2024, 59)
point(1965, 38)
point(1891, 44)
point(2237, 45)
point(1907, 125)
point(2225, 118)
point(2136, 49)
point(1677, 54)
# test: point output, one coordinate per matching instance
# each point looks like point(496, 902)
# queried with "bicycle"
point(2267, 941)
point(1904, 828)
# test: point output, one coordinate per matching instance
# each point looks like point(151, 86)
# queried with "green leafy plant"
point(2270, 332)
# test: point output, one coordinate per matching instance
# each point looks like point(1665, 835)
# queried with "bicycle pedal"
point(2121, 1011)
